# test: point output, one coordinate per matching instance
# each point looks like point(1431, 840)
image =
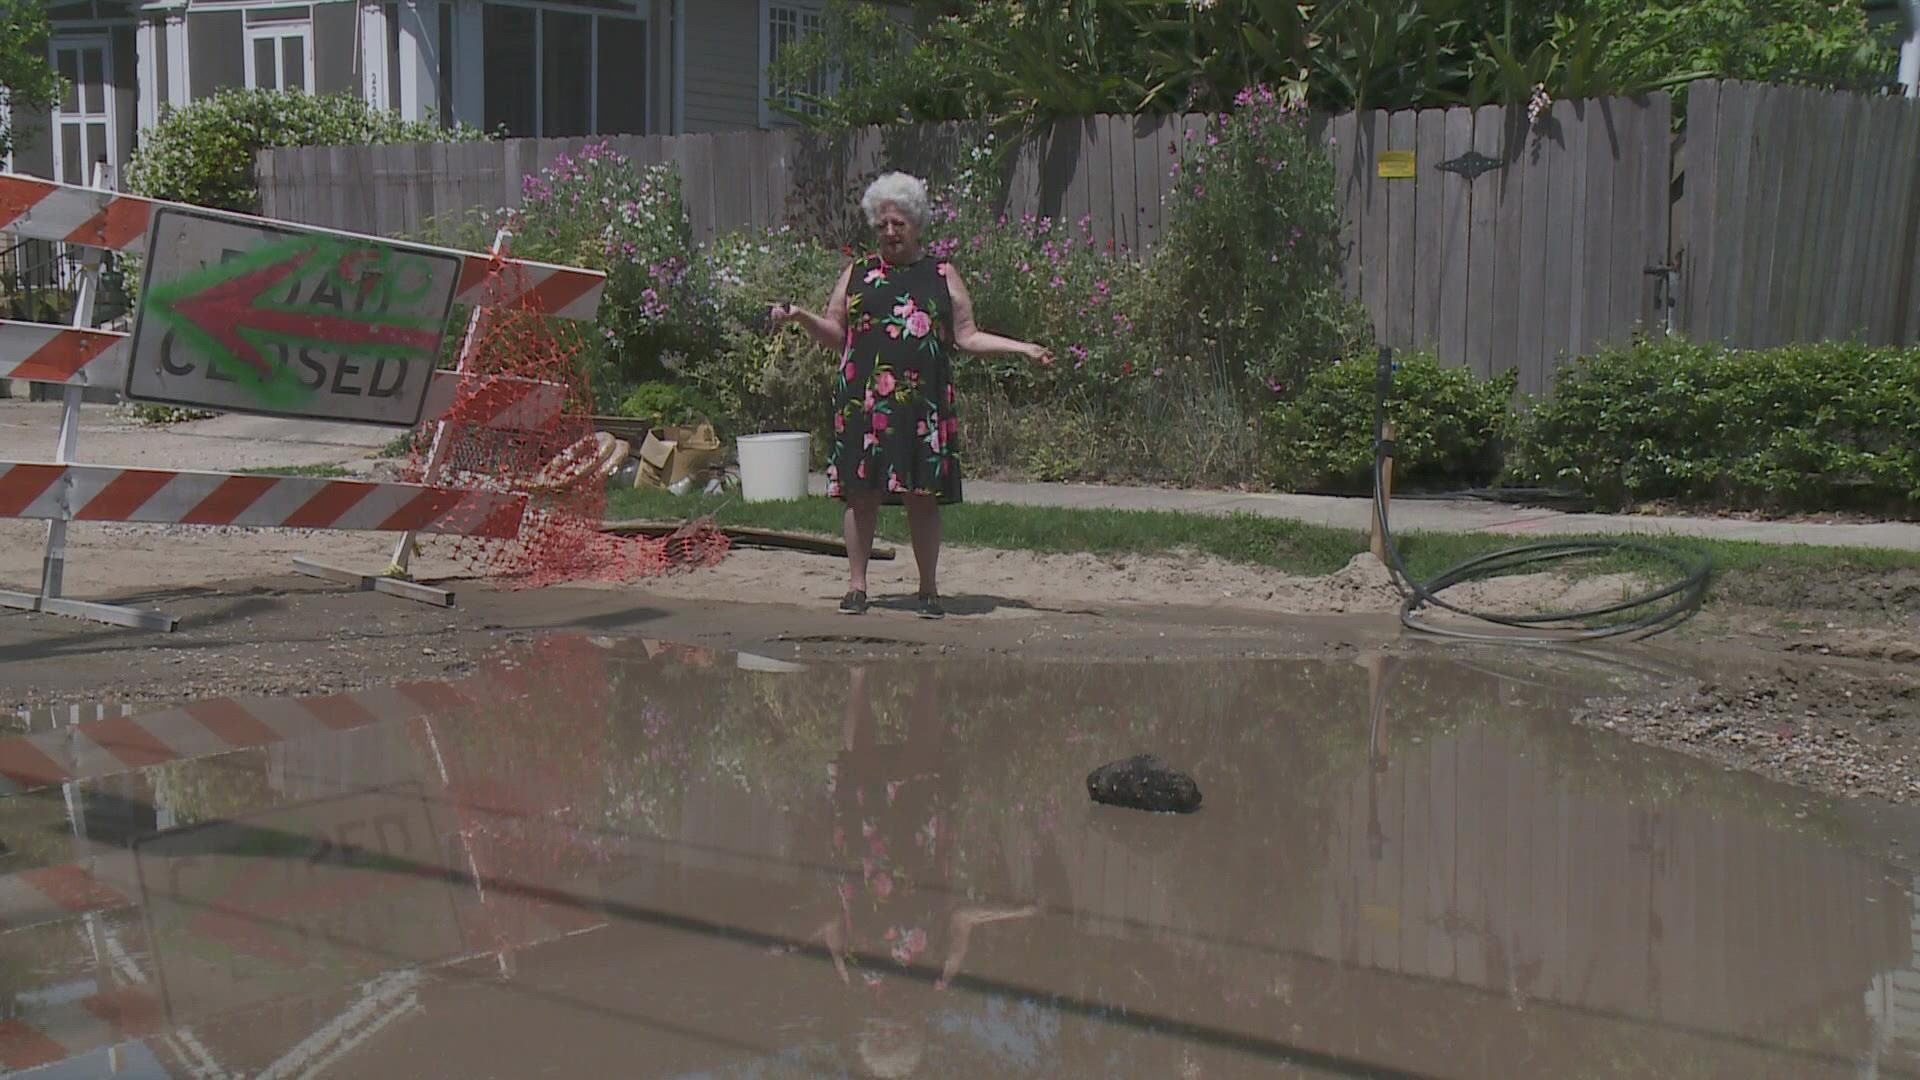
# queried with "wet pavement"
point(627, 858)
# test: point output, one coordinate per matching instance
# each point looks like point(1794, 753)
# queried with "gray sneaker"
point(854, 603)
point(929, 607)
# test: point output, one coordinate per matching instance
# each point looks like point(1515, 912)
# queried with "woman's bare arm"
point(970, 338)
point(830, 329)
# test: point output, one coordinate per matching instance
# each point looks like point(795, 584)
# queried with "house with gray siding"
point(542, 68)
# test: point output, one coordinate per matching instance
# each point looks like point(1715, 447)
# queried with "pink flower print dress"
point(895, 429)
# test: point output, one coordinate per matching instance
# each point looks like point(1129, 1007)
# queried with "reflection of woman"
point(892, 844)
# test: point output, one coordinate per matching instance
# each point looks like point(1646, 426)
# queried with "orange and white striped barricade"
point(246, 314)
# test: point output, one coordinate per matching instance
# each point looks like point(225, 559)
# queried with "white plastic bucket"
point(774, 466)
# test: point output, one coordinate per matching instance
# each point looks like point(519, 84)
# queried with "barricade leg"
point(54, 564)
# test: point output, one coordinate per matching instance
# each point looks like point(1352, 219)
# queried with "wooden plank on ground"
point(1430, 266)
point(1403, 216)
point(741, 536)
point(1483, 239)
point(1453, 212)
point(1559, 137)
point(1535, 250)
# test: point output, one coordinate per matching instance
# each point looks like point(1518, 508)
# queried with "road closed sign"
point(242, 315)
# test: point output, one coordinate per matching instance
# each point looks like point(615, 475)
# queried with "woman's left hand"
point(1041, 355)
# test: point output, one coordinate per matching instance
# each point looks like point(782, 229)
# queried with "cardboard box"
point(671, 454)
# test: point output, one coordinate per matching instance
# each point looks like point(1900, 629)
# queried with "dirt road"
point(1816, 682)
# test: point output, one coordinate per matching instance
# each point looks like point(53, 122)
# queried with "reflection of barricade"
point(352, 318)
point(503, 863)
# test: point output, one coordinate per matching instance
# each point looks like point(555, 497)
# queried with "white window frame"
point(278, 32)
point(802, 9)
point(636, 13)
point(108, 116)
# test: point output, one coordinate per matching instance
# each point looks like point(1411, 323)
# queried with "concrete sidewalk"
point(1438, 515)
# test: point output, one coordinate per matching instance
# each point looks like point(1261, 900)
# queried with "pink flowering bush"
point(1247, 272)
point(597, 210)
point(1040, 279)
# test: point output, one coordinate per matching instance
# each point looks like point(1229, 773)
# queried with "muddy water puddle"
point(609, 858)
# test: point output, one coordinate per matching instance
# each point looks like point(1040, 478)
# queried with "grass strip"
point(1289, 546)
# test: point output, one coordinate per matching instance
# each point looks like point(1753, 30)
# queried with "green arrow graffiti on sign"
point(233, 310)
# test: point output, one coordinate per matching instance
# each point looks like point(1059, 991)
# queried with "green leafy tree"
point(1040, 59)
point(1815, 42)
point(28, 80)
point(203, 154)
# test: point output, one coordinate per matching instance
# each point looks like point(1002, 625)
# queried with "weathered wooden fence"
point(1495, 239)
point(1110, 169)
point(1506, 243)
point(1798, 216)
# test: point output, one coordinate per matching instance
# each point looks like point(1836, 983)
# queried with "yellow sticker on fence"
point(1396, 164)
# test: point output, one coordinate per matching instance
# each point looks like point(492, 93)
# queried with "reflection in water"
point(609, 860)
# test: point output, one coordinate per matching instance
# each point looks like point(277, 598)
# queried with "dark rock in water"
point(1144, 783)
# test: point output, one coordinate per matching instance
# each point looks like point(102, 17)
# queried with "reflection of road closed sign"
point(296, 902)
point(242, 315)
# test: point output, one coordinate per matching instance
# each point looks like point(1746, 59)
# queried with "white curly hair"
point(909, 193)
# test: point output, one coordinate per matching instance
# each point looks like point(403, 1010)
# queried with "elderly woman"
point(895, 317)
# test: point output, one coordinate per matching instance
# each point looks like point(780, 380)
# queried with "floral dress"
point(895, 430)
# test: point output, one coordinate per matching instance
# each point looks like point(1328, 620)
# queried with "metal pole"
point(436, 453)
point(53, 567)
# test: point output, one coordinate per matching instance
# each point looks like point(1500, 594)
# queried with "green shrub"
point(766, 380)
point(1048, 281)
point(1450, 427)
point(1828, 426)
point(663, 403)
point(1247, 272)
point(203, 153)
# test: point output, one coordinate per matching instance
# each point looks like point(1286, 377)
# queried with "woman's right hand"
point(781, 314)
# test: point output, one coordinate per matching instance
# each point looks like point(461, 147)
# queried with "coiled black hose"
point(1649, 613)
